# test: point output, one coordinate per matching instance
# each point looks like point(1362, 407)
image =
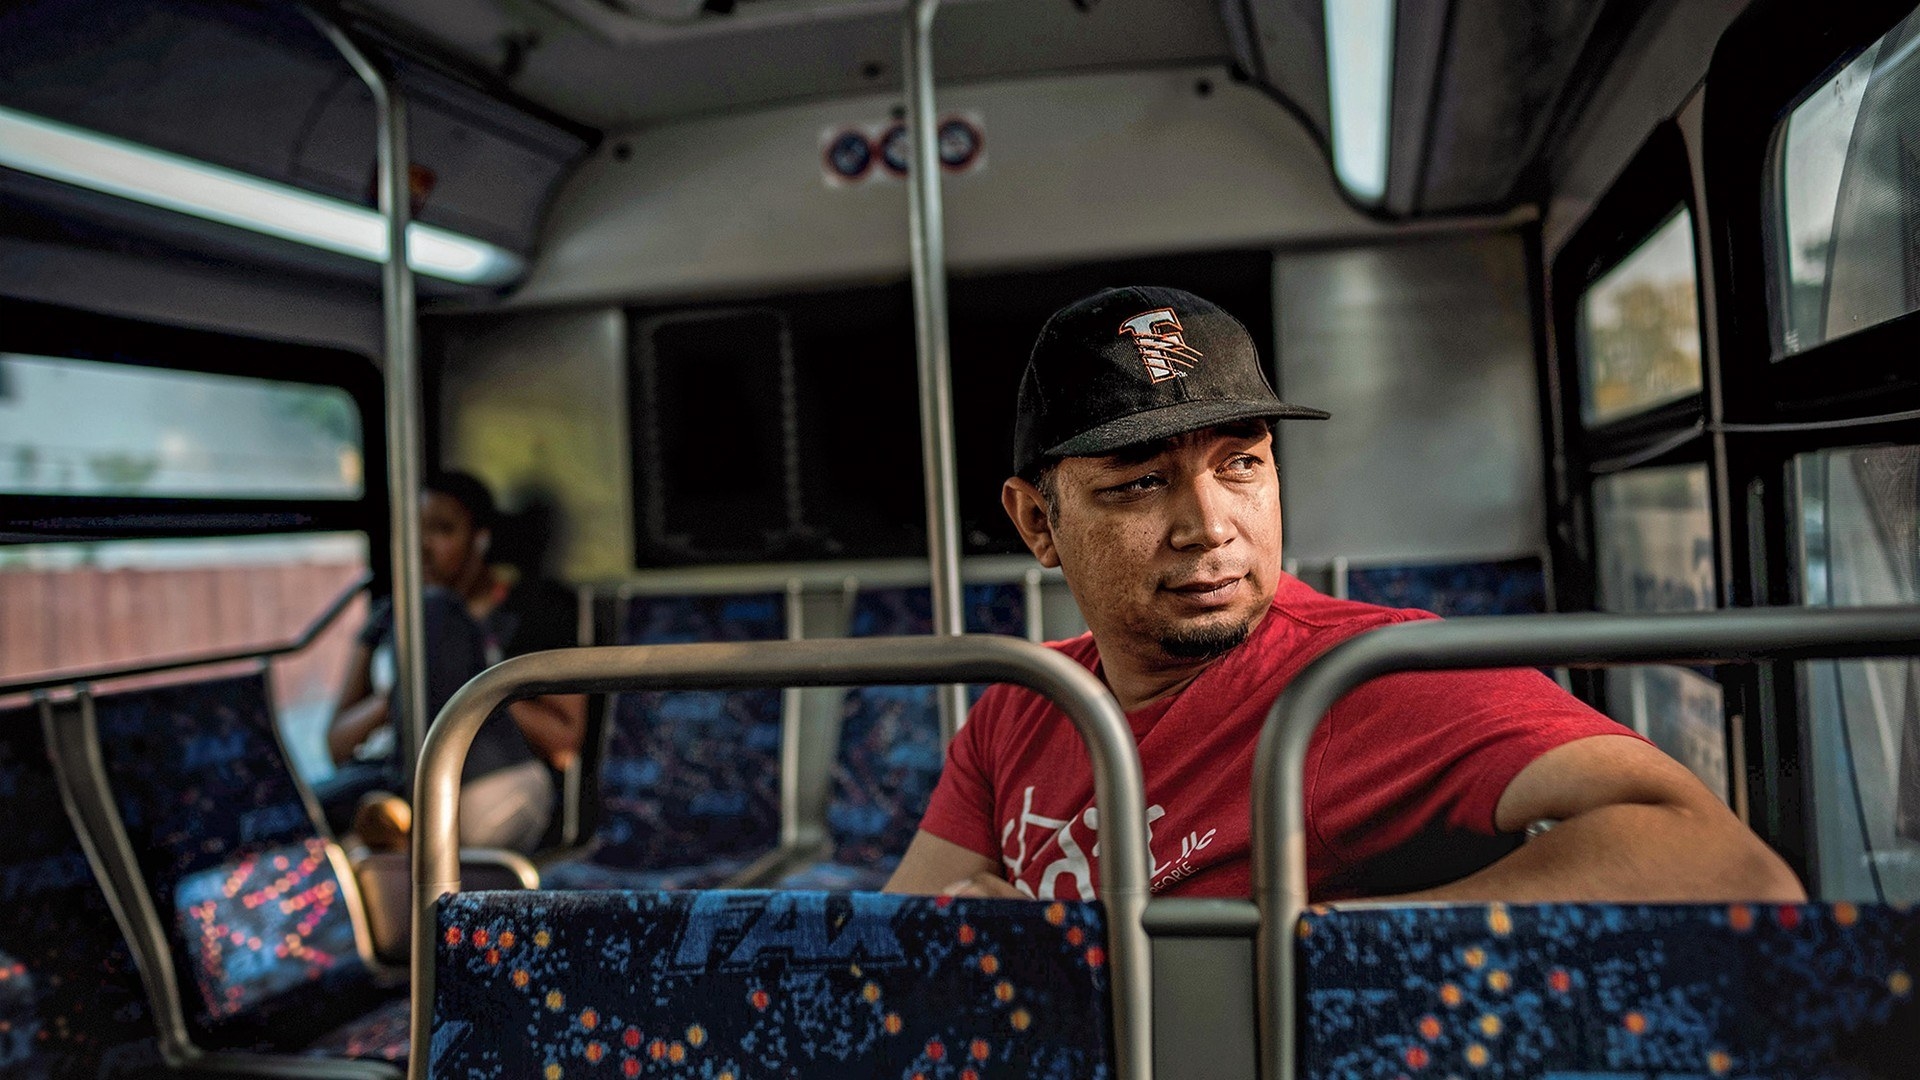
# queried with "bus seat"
point(755, 983)
point(258, 904)
point(689, 782)
point(889, 753)
point(1695, 990)
point(71, 1000)
point(1502, 587)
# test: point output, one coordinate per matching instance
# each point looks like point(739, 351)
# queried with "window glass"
point(68, 607)
point(1860, 545)
point(81, 427)
point(1655, 530)
point(1848, 188)
point(1639, 327)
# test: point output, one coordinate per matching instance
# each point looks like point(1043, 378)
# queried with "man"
point(474, 618)
point(1145, 471)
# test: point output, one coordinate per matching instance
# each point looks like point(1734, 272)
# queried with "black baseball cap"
point(1136, 364)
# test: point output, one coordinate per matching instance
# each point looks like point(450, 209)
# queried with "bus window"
point(82, 427)
point(1639, 327)
point(1655, 553)
point(1843, 199)
point(1859, 538)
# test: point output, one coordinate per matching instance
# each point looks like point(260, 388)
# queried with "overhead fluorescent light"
point(1360, 86)
point(117, 167)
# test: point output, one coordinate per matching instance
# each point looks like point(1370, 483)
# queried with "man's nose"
point(1203, 515)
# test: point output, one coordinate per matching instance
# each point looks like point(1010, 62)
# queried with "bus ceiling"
point(1463, 103)
point(1463, 111)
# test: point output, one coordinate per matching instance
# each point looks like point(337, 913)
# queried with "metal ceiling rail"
point(1118, 790)
point(121, 671)
point(402, 371)
point(1579, 640)
point(927, 225)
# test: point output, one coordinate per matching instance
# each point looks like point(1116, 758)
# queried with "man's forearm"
point(353, 726)
point(1633, 852)
point(552, 728)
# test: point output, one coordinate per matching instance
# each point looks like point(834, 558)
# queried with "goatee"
point(1205, 642)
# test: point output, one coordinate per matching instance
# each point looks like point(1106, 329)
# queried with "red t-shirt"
point(1402, 778)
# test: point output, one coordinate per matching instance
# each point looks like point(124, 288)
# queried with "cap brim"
point(1175, 419)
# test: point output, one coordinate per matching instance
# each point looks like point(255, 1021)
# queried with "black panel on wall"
point(709, 451)
point(714, 469)
point(859, 412)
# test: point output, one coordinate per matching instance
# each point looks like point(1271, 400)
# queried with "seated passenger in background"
point(1145, 471)
point(474, 616)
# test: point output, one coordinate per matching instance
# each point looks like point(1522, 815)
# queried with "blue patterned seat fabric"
point(1598, 992)
point(263, 942)
point(690, 785)
point(724, 985)
point(71, 1003)
point(1506, 587)
point(889, 755)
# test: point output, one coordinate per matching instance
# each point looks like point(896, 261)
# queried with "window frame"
point(1847, 391)
point(1852, 377)
point(1655, 185)
point(1656, 182)
point(67, 333)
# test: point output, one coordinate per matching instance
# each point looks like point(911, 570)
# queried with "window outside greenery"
point(82, 427)
point(1639, 327)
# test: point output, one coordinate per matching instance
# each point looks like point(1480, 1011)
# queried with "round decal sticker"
point(850, 155)
point(893, 150)
point(960, 143)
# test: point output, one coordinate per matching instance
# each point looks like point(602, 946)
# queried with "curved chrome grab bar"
point(1118, 788)
point(1581, 640)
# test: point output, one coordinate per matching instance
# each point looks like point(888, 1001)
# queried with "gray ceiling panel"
point(1291, 39)
point(1507, 65)
point(596, 80)
point(178, 76)
point(1421, 37)
point(259, 91)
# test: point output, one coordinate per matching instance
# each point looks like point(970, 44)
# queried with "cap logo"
point(1162, 343)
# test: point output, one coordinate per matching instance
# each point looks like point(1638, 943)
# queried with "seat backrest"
point(793, 984)
point(889, 753)
point(257, 901)
point(71, 1000)
point(1697, 990)
point(1503, 587)
point(692, 775)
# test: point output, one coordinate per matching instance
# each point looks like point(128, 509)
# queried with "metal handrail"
point(121, 671)
point(1584, 640)
point(401, 376)
point(927, 244)
point(1118, 788)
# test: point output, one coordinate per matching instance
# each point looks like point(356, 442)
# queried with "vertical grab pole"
point(927, 226)
point(402, 389)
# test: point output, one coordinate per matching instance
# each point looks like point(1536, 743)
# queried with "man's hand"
point(985, 884)
point(936, 867)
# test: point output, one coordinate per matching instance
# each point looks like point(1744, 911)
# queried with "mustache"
point(1201, 571)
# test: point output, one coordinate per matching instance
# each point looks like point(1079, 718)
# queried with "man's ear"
point(1028, 509)
point(482, 540)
